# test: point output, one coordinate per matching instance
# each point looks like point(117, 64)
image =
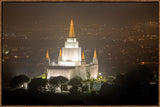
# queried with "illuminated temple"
point(70, 63)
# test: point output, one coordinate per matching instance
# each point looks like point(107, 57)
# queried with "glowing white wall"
point(79, 71)
point(71, 43)
point(71, 54)
point(93, 71)
point(59, 72)
point(69, 63)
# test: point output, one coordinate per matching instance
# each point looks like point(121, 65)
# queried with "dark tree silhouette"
point(18, 80)
point(36, 83)
point(139, 75)
point(58, 80)
point(75, 82)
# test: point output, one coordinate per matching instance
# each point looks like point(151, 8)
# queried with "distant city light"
point(142, 63)
point(16, 57)
point(6, 52)
point(27, 56)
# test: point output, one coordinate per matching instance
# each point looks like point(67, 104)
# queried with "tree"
point(44, 76)
point(37, 84)
point(85, 88)
point(140, 75)
point(58, 81)
point(18, 81)
point(74, 90)
point(110, 79)
point(137, 76)
point(75, 82)
point(64, 87)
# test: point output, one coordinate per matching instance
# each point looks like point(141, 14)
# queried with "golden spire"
point(95, 55)
point(83, 58)
point(71, 30)
point(47, 55)
point(60, 52)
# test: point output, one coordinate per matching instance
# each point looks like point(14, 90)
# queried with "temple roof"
point(83, 57)
point(47, 55)
point(60, 52)
point(71, 30)
point(95, 55)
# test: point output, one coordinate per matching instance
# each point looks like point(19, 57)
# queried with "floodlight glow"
point(53, 63)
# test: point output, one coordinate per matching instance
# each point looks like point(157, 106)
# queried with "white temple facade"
point(70, 63)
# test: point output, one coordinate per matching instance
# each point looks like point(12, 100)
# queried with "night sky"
point(24, 17)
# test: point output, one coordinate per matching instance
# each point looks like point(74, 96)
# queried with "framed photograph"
point(80, 53)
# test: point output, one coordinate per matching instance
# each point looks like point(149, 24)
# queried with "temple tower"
point(83, 59)
point(70, 63)
point(47, 59)
point(71, 52)
point(95, 59)
point(60, 56)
